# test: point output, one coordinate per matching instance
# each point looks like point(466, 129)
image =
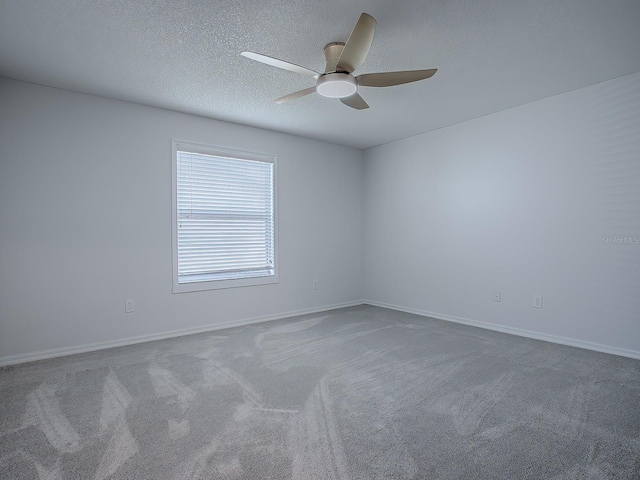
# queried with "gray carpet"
point(357, 393)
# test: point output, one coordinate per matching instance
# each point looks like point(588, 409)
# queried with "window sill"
point(221, 284)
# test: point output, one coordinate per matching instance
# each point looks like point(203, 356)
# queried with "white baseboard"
point(91, 347)
point(572, 342)
point(61, 352)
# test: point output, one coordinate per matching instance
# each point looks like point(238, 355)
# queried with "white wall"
point(518, 202)
point(85, 222)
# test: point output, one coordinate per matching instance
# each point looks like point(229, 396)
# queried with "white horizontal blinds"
point(225, 218)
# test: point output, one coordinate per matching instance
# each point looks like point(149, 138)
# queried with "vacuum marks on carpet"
point(357, 393)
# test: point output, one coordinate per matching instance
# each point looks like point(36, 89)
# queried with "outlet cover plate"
point(537, 301)
point(129, 306)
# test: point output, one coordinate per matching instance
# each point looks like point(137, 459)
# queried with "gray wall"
point(524, 202)
point(85, 222)
point(521, 201)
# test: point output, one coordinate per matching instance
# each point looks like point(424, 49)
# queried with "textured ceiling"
point(184, 55)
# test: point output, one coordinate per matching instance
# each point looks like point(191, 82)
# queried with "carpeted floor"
point(357, 393)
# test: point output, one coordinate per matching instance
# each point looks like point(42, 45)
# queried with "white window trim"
point(224, 152)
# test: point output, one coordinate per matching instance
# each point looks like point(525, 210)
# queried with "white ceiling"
point(184, 55)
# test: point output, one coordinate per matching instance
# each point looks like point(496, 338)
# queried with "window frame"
point(177, 145)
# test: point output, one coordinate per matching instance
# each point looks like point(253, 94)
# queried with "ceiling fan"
point(338, 81)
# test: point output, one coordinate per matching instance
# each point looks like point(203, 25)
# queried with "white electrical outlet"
point(537, 301)
point(497, 296)
point(129, 306)
point(316, 284)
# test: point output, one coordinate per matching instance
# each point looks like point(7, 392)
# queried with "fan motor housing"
point(333, 50)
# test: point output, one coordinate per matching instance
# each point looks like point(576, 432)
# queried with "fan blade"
point(293, 96)
point(274, 62)
point(388, 79)
point(355, 101)
point(357, 46)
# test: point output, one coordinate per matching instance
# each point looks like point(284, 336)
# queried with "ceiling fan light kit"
point(342, 59)
point(336, 85)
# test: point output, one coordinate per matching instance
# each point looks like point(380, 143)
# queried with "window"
point(224, 221)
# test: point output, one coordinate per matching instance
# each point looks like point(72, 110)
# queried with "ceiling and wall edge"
point(287, 132)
